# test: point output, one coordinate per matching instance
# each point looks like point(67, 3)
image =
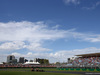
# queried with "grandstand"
point(90, 55)
point(87, 60)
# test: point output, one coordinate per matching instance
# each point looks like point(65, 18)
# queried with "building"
point(91, 60)
point(37, 60)
point(26, 60)
point(41, 61)
point(70, 60)
point(31, 63)
point(21, 60)
point(14, 61)
point(11, 59)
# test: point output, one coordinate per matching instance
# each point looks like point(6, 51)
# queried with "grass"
point(27, 71)
point(31, 73)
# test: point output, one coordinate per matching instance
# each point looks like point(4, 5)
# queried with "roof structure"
point(1, 63)
point(89, 55)
point(32, 63)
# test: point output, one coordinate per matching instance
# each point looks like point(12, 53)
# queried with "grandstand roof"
point(89, 55)
point(1, 63)
point(32, 63)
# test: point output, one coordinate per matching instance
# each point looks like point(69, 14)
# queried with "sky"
point(49, 29)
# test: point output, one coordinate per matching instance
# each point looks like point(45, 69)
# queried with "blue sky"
point(51, 29)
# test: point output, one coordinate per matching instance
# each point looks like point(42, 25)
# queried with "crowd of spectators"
point(86, 61)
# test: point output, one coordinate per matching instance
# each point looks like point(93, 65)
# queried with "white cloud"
point(13, 34)
point(33, 32)
point(93, 6)
point(31, 35)
point(76, 2)
point(97, 39)
point(29, 53)
point(98, 3)
point(85, 36)
point(36, 47)
point(12, 45)
point(29, 31)
point(3, 57)
point(71, 1)
point(17, 54)
point(60, 56)
point(9, 46)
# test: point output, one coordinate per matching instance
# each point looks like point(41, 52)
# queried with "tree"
point(41, 61)
point(46, 62)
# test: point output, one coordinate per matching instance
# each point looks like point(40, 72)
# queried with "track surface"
point(80, 73)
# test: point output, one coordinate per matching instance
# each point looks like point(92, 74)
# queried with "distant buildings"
point(21, 60)
point(31, 60)
point(37, 60)
point(26, 60)
point(11, 59)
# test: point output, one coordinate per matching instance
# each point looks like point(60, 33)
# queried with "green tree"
point(46, 62)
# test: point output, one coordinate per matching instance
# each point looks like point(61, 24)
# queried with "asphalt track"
point(80, 73)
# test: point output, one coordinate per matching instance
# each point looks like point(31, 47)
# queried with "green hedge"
point(67, 69)
point(97, 69)
point(91, 69)
point(71, 68)
point(62, 68)
point(79, 69)
point(83, 69)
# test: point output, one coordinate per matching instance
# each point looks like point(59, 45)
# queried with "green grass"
point(31, 73)
point(27, 71)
